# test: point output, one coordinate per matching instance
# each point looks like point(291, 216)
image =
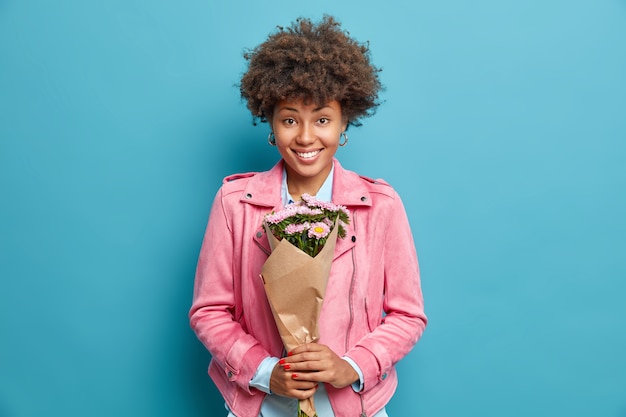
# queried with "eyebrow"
point(296, 110)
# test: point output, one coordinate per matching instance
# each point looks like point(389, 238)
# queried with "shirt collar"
point(325, 192)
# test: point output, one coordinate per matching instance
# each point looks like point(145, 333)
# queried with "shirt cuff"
point(358, 385)
point(261, 379)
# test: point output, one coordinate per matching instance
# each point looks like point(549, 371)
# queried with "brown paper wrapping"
point(295, 284)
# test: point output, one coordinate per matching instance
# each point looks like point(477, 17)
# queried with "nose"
point(306, 135)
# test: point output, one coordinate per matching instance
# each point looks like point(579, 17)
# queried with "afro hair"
point(312, 62)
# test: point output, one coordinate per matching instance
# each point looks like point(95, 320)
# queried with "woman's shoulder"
point(249, 183)
point(374, 181)
point(362, 186)
point(360, 179)
point(236, 182)
point(239, 181)
point(234, 177)
point(377, 186)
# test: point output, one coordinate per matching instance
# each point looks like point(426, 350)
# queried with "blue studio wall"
point(503, 128)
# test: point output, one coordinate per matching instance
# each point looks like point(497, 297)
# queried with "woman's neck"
point(298, 184)
point(296, 191)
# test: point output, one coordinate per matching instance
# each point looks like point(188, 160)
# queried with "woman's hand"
point(285, 383)
point(313, 363)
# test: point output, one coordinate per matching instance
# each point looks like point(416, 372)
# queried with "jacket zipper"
point(363, 413)
point(351, 304)
point(351, 307)
point(350, 294)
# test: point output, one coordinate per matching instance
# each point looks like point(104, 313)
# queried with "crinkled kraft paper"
point(295, 284)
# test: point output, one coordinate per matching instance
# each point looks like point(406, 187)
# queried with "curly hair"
point(314, 62)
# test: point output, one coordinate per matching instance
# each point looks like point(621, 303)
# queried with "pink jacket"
point(373, 310)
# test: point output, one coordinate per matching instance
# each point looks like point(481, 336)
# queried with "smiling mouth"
point(308, 155)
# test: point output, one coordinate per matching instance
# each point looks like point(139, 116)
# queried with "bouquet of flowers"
point(302, 237)
point(307, 224)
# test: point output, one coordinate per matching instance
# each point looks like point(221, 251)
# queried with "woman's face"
point(307, 137)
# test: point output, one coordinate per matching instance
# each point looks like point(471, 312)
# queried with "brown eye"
point(323, 121)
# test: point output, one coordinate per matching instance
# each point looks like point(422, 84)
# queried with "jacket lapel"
point(263, 191)
point(349, 191)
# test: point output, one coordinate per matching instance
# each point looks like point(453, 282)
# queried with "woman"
point(309, 82)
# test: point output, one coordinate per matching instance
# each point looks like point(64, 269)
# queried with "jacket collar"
point(263, 189)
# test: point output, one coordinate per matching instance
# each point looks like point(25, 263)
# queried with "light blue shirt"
point(279, 406)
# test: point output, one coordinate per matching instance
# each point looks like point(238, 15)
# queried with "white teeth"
point(308, 154)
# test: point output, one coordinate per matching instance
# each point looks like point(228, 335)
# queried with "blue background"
point(503, 129)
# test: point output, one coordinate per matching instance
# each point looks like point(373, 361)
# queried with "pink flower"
point(295, 228)
point(324, 205)
point(308, 210)
point(291, 210)
point(281, 215)
point(319, 230)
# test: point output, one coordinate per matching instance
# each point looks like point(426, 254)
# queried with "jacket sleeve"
point(213, 315)
point(404, 320)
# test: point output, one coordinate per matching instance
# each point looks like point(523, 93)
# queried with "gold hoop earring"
point(271, 139)
point(345, 139)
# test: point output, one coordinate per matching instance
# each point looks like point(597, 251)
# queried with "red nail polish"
point(289, 354)
point(282, 361)
point(287, 366)
point(294, 375)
